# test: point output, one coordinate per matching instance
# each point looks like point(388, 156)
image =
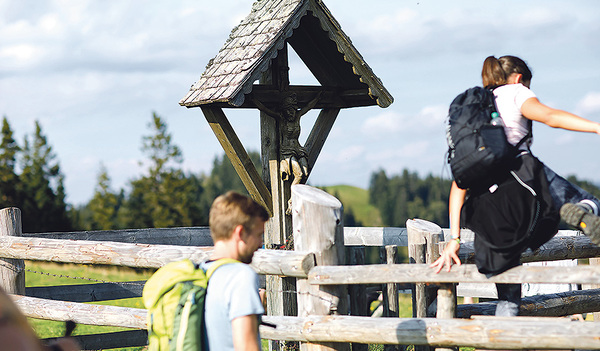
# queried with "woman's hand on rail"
point(449, 255)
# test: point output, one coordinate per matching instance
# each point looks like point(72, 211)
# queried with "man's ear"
point(238, 232)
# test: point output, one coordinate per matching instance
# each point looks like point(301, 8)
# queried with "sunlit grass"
point(63, 274)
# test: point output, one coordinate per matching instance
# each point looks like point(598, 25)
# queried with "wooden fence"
point(327, 319)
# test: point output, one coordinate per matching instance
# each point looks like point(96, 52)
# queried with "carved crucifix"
point(294, 160)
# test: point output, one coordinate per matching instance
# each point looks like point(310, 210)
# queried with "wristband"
point(457, 240)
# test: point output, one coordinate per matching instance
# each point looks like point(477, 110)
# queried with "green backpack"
point(174, 296)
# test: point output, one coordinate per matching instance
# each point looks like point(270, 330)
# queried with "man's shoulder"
point(233, 270)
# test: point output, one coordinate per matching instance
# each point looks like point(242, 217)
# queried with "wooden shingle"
point(310, 28)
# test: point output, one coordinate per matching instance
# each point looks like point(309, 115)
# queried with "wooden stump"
point(318, 227)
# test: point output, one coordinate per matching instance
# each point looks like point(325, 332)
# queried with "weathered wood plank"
point(391, 305)
point(331, 98)
point(421, 273)
point(318, 227)
point(81, 313)
point(557, 248)
point(88, 292)
point(375, 236)
point(278, 262)
point(550, 305)
point(576, 247)
point(12, 276)
point(185, 236)
point(491, 333)
point(238, 156)
point(580, 247)
point(106, 341)
point(318, 134)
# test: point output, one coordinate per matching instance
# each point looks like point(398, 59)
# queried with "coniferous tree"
point(166, 196)
point(380, 195)
point(223, 176)
point(9, 181)
point(104, 205)
point(41, 186)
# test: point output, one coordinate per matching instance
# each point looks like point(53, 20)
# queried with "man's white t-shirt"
point(232, 292)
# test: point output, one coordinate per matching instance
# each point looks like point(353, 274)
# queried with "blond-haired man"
point(233, 306)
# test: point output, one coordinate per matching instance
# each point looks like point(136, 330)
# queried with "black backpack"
point(478, 151)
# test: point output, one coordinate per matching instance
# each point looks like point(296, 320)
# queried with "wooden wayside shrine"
point(251, 71)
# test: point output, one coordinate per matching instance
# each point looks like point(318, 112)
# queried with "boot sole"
point(581, 219)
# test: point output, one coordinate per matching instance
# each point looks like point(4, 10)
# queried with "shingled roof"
point(309, 27)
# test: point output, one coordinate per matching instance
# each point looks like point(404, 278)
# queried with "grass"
point(52, 276)
point(357, 200)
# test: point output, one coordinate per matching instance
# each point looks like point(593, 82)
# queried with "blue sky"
point(92, 73)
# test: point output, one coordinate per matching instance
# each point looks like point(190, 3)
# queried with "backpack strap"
point(527, 136)
point(218, 263)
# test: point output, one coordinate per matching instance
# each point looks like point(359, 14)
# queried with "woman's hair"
point(495, 71)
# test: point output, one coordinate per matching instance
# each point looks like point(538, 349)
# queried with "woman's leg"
point(564, 192)
point(578, 208)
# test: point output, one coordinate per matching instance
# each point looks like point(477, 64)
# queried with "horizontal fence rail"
point(549, 305)
point(82, 313)
point(499, 333)
point(276, 262)
point(559, 247)
point(467, 273)
point(88, 292)
point(181, 236)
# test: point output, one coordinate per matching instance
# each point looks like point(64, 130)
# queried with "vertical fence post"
point(12, 274)
point(389, 254)
point(318, 228)
point(357, 292)
point(391, 306)
point(423, 237)
point(446, 305)
point(594, 262)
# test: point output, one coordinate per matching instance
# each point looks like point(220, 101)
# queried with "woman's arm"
point(450, 253)
point(534, 110)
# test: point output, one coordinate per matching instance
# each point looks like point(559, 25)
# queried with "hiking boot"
point(578, 217)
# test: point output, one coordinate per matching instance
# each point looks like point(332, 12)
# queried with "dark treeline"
point(407, 196)
point(166, 196)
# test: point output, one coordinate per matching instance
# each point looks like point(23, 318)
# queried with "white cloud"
point(590, 104)
point(390, 122)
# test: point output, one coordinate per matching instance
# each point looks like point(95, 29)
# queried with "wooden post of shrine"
point(281, 297)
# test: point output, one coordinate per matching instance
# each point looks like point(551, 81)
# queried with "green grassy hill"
point(357, 200)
